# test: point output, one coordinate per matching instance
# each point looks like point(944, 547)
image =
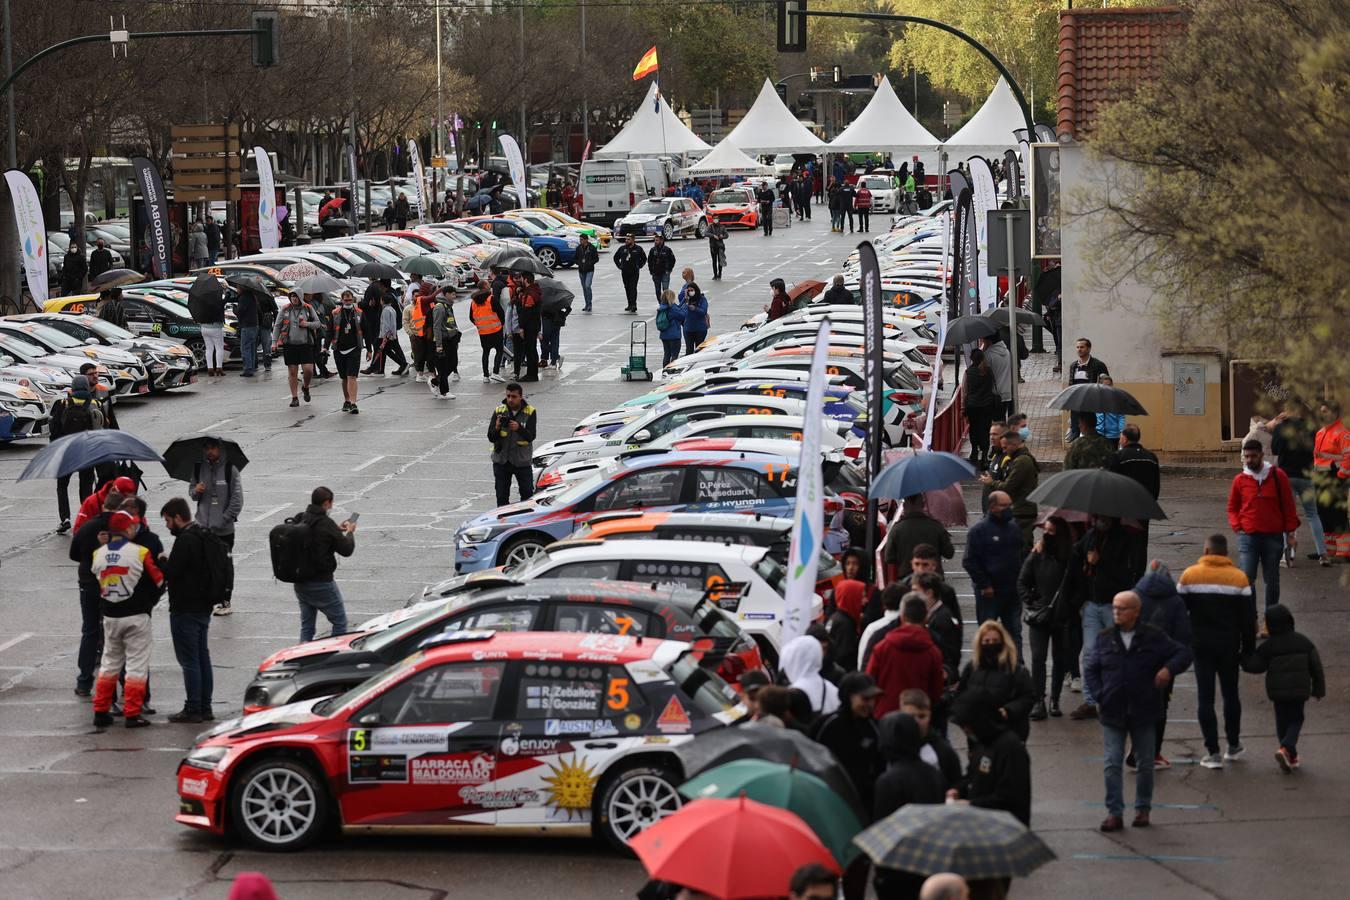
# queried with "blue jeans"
point(1225, 666)
point(1096, 617)
point(1007, 609)
point(550, 335)
point(586, 279)
point(320, 597)
point(194, 658)
point(662, 284)
point(1141, 738)
point(248, 346)
point(1303, 493)
point(1264, 550)
point(91, 635)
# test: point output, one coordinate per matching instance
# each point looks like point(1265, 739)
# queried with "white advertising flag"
point(985, 199)
point(809, 518)
point(416, 156)
point(269, 238)
point(942, 333)
point(517, 164)
point(32, 235)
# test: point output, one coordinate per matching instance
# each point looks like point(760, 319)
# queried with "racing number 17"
point(776, 471)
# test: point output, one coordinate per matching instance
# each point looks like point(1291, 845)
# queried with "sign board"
point(996, 255)
point(1044, 189)
point(206, 162)
point(440, 162)
point(1188, 389)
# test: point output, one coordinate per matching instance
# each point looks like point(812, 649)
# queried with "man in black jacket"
point(851, 733)
point(1135, 461)
point(765, 197)
point(915, 527)
point(630, 260)
point(73, 269)
point(1086, 369)
point(1132, 662)
point(999, 774)
point(100, 260)
point(188, 569)
point(316, 590)
point(837, 294)
point(587, 257)
point(1103, 564)
point(907, 779)
point(660, 263)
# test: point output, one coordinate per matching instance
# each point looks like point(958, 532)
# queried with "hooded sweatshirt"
point(1261, 502)
point(906, 658)
point(999, 775)
point(907, 779)
point(800, 661)
point(855, 741)
point(1292, 665)
point(845, 623)
point(1161, 605)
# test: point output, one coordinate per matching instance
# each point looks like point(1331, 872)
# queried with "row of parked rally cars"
point(588, 632)
point(161, 346)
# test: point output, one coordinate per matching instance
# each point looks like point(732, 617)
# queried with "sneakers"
point(431, 386)
point(1055, 711)
point(346, 406)
point(446, 396)
point(1076, 685)
point(1211, 761)
point(295, 401)
point(102, 719)
point(1286, 762)
point(354, 411)
point(487, 379)
point(403, 372)
point(1038, 712)
point(186, 717)
point(304, 392)
point(222, 609)
point(81, 691)
point(63, 527)
point(1234, 752)
point(419, 378)
point(1161, 762)
point(138, 722)
point(497, 379)
point(1084, 711)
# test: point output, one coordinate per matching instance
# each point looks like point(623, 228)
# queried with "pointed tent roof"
point(770, 127)
point(651, 131)
point(990, 130)
point(884, 125)
point(727, 160)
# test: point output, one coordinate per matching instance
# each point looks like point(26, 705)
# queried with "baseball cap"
point(753, 680)
point(858, 683)
point(124, 485)
point(121, 521)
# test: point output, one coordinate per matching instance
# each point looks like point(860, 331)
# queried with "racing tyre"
point(198, 349)
point(702, 231)
point(279, 805)
point(520, 550)
point(668, 231)
point(633, 799)
point(549, 257)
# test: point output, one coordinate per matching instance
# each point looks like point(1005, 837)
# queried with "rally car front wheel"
point(633, 799)
point(279, 804)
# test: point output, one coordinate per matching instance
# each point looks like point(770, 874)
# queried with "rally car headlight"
point(207, 757)
point(476, 535)
point(543, 462)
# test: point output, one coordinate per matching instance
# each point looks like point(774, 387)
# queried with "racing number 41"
point(617, 695)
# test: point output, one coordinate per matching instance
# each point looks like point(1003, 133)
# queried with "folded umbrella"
point(529, 264)
point(70, 454)
point(973, 842)
point(787, 788)
point(783, 745)
point(1102, 398)
point(374, 270)
point(185, 455)
point(730, 849)
point(422, 265)
point(115, 278)
point(1099, 493)
point(968, 329)
point(319, 283)
point(924, 471)
point(206, 299)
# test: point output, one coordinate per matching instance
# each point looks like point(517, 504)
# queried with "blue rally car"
point(693, 481)
point(553, 248)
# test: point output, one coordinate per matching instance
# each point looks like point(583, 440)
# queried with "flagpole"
point(660, 116)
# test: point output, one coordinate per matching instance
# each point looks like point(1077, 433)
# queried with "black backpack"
point(216, 579)
point(292, 546)
point(77, 417)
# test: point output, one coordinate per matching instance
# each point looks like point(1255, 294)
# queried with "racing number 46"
point(617, 695)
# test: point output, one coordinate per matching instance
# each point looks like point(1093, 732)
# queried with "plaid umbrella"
point(970, 841)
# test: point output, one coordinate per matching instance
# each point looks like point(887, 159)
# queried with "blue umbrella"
point(70, 454)
point(927, 471)
point(477, 201)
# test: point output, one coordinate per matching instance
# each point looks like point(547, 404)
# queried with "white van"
point(610, 188)
point(657, 172)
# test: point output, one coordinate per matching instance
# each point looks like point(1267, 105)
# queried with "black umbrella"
point(478, 201)
point(1102, 398)
point(422, 265)
point(968, 329)
point(337, 223)
point(999, 314)
point(375, 270)
point(116, 278)
point(756, 741)
point(84, 449)
point(556, 296)
point(1048, 285)
point(185, 455)
point(1098, 492)
point(505, 255)
point(250, 283)
point(527, 264)
point(206, 298)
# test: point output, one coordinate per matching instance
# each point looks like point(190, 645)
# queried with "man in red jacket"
point(93, 504)
point(1261, 510)
point(907, 658)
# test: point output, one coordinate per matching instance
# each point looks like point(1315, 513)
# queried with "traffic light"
point(266, 46)
point(791, 28)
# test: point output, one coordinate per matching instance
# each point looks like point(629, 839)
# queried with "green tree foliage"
point(1234, 203)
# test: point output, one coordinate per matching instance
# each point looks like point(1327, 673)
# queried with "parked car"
point(22, 412)
point(169, 363)
point(553, 250)
point(129, 375)
point(734, 207)
point(670, 217)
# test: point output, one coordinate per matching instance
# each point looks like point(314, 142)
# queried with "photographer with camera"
point(511, 431)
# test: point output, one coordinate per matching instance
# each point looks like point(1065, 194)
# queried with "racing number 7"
point(617, 695)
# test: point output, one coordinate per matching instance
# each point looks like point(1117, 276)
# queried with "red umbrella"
point(810, 287)
point(332, 207)
point(730, 848)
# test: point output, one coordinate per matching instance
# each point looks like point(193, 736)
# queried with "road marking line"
point(17, 639)
point(1129, 857)
point(9, 506)
point(214, 425)
point(273, 511)
point(370, 462)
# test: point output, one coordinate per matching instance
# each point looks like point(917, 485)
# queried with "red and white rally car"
point(547, 732)
point(734, 207)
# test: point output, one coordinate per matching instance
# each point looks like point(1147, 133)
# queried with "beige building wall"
point(1177, 377)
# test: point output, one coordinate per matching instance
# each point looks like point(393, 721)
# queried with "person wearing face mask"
point(1047, 620)
point(1019, 474)
point(186, 568)
point(994, 668)
point(993, 559)
point(296, 333)
point(348, 336)
point(779, 304)
point(999, 772)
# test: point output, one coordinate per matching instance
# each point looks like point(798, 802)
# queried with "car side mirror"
point(92, 342)
point(6, 360)
point(642, 437)
point(370, 718)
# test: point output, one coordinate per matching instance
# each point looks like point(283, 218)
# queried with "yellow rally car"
point(598, 233)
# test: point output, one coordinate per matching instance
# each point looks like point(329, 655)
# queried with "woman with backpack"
point(696, 318)
point(670, 324)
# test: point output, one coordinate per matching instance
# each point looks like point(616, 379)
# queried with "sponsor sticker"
point(193, 787)
point(632, 721)
point(473, 769)
point(486, 798)
point(588, 727)
point(673, 719)
point(515, 745)
point(362, 768)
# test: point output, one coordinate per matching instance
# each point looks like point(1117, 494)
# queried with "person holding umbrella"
point(206, 302)
point(527, 298)
point(982, 406)
point(77, 411)
point(372, 301)
point(294, 337)
point(219, 492)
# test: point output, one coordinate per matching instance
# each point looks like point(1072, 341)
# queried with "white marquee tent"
point(727, 160)
point(990, 131)
point(653, 131)
point(770, 127)
point(886, 126)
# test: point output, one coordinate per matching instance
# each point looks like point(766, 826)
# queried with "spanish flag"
point(646, 65)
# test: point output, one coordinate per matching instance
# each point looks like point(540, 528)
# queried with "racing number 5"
point(359, 740)
point(617, 695)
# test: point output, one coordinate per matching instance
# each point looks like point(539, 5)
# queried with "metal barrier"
point(949, 428)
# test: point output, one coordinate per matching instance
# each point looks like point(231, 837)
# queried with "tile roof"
point(1103, 54)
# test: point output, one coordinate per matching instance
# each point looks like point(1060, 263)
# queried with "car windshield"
point(528, 227)
point(543, 223)
point(728, 196)
point(49, 335)
point(651, 208)
point(59, 239)
point(771, 572)
point(377, 642)
point(453, 238)
point(576, 492)
point(710, 694)
point(22, 350)
point(367, 689)
point(783, 159)
point(874, 182)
